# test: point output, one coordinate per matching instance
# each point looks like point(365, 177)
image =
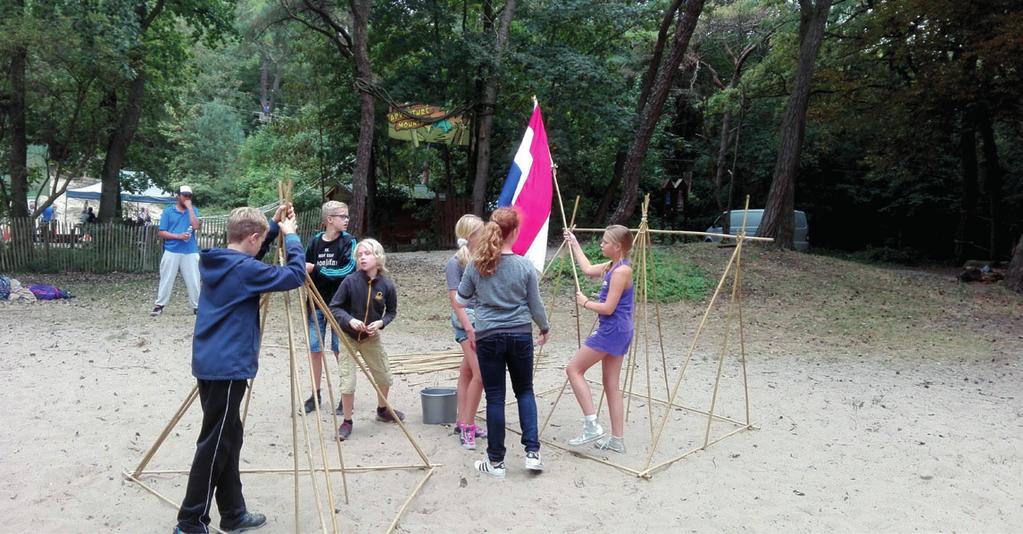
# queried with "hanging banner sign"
point(453, 130)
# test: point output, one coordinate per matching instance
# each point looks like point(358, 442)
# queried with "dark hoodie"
point(226, 341)
point(366, 299)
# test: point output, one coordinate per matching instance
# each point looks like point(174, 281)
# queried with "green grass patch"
point(676, 278)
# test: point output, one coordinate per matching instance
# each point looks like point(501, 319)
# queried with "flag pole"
point(564, 224)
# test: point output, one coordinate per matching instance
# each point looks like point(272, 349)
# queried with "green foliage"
point(676, 278)
point(881, 165)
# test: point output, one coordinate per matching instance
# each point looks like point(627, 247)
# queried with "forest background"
point(895, 125)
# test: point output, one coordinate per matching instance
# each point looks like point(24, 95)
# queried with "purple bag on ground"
point(48, 292)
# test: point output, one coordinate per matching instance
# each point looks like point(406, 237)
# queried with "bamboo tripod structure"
point(311, 301)
point(642, 244)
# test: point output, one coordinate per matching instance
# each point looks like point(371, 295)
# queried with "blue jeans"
point(514, 352)
point(318, 320)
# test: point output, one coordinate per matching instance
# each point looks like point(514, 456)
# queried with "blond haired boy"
point(225, 352)
point(365, 303)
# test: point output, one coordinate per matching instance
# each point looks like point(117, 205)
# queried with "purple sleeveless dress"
point(614, 332)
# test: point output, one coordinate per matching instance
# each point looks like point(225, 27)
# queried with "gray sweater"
point(506, 300)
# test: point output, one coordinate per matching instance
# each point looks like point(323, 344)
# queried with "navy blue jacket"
point(226, 341)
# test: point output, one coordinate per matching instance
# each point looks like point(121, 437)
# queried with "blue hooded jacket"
point(226, 341)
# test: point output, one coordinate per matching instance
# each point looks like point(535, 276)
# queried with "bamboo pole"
point(564, 223)
point(579, 453)
point(657, 311)
point(189, 399)
point(162, 497)
point(692, 349)
point(742, 333)
point(645, 225)
point(281, 188)
point(553, 407)
point(685, 407)
point(330, 395)
point(401, 511)
point(316, 404)
point(264, 306)
point(571, 258)
point(288, 470)
point(685, 232)
point(729, 317)
point(362, 366)
point(648, 472)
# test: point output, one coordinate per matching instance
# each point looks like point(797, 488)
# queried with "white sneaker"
point(533, 461)
point(494, 470)
point(591, 432)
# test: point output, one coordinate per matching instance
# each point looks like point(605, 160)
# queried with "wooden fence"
point(28, 245)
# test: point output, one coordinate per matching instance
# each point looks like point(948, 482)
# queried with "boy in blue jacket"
point(225, 352)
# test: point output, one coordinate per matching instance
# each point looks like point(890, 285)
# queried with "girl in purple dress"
point(610, 342)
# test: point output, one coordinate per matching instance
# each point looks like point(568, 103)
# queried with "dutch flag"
point(529, 189)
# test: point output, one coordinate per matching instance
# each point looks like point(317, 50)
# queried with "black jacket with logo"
point(366, 299)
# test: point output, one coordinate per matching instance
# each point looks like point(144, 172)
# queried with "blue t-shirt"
point(48, 214)
point(176, 222)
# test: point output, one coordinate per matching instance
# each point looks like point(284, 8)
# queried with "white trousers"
point(170, 264)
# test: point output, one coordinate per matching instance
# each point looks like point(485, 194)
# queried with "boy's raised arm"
point(265, 278)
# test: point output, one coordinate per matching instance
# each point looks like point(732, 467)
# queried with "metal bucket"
point(440, 405)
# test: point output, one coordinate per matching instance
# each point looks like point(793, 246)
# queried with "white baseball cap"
point(184, 190)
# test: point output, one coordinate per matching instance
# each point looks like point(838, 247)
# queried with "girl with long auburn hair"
point(507, 292)
point(610, 342)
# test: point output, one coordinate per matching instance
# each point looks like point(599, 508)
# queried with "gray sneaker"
point(591, 432)
point(611, 443)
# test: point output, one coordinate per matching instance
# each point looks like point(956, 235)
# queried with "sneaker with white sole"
point(157, 310)
point(468, 437)
point(533, 461)
point(611, 443)
point(591, 432)
point(495, 470)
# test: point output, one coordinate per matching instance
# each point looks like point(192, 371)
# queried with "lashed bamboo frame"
point(313, 299)
point(643, 238)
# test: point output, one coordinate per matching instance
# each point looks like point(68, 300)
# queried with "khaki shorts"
point(372, 351)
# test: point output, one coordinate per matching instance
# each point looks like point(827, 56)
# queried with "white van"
point(801, 236)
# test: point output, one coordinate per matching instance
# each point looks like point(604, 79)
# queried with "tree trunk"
point(117, 148)
point(612, 188)
point(779, 220)
point(122, 135)
point(652, 110)
point(991, 172)
point(1014, 277)
point(371, 194)
point(18, 163)
point(486, 115)
point(644, 94)
point(722, 162)
point(968, 173)
point(363, 69)
point(264, 82)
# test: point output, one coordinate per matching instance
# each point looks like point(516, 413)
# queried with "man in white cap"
point(178, 225)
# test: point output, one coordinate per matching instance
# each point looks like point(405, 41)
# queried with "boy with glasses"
point(330, 257)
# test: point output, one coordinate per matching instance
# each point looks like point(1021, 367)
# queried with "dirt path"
point(885, 400)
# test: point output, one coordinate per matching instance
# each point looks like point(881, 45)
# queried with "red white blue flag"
point(529, 189)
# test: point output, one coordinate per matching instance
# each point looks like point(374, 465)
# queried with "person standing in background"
point(178, 225)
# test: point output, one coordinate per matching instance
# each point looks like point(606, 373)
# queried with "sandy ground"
point(884, 400)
